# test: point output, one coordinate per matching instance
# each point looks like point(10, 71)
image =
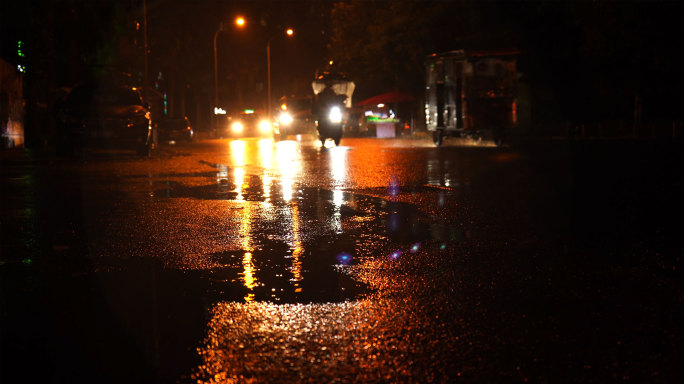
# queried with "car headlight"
point(237, 127)
point(285, 118)
point(335, 115)
point(264, 126)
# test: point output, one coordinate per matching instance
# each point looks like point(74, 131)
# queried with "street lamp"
point(288, 32)
point(240, 22)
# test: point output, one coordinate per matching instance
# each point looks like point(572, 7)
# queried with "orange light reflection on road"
point(248, 277)
point(267, 181)
point(266, 152)
point(288, 163)
point(338, 167)
point(239, 177)
point(298, 248)
point(240, 156)
point(321, 340)
point(237, 152)
point(262, 159)
point(286, 158)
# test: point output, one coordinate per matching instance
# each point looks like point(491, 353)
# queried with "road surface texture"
point(378, 261)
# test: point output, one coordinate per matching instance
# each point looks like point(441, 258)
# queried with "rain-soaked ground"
point(240, 261)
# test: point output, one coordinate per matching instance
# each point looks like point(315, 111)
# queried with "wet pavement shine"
point(378, 261)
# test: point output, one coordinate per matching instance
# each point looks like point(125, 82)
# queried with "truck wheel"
point(438, 137)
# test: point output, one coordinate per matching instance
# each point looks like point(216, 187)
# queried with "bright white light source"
point(335, 115)
point(237, 127)
point(285, 118)
point(219, 111)
point(264, 126)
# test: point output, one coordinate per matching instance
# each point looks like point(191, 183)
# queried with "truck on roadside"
point(471, 94)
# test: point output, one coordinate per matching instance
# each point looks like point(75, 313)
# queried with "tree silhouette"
point(596, 59)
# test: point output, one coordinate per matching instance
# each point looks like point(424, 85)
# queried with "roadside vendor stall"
point(379, 115)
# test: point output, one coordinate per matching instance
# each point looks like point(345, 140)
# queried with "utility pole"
point(146, 80)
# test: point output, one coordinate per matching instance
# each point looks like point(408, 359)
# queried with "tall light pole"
point(288, 32)
point(240, 22)
point(146, 81)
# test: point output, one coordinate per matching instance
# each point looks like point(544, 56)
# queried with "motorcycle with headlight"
point(332, 98)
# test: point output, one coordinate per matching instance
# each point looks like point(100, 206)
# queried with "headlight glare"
point(237, 127)
point(264, 126)
point(285, 118)
point(335, 115)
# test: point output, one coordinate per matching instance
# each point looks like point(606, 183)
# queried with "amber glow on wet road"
point(244, 336)
point(249, 261)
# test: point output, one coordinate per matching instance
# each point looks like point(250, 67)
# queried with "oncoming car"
point(294, 117)
point(248, 123)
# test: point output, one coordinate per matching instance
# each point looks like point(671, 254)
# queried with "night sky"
point(590, 57)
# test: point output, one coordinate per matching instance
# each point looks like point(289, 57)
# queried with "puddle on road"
point(293, 244)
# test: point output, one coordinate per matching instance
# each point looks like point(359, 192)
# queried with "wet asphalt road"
point(249, 261)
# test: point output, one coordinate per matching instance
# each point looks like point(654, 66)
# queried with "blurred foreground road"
point(381, 260)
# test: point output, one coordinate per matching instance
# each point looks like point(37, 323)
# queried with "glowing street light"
point(288, 32)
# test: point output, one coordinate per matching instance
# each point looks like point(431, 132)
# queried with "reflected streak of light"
point(266, 152)
point(222, 175)
point(248, 274)
point(298, 248)
point(244, 231)
point(248, 277)
point(338, 199)
point(394, 188)
point(246, 227)
point(287, 189)
point(338, 164)
point(267, 180)
point(249, 270)
point(237, 151)
point(287, 165)
point(239, 174)
point(443, 174)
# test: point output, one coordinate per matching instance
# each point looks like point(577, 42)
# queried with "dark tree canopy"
point(593, 57)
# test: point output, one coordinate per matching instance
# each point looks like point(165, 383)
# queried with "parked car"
point(248, 123)
point(104, 115)
point(174, 130)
